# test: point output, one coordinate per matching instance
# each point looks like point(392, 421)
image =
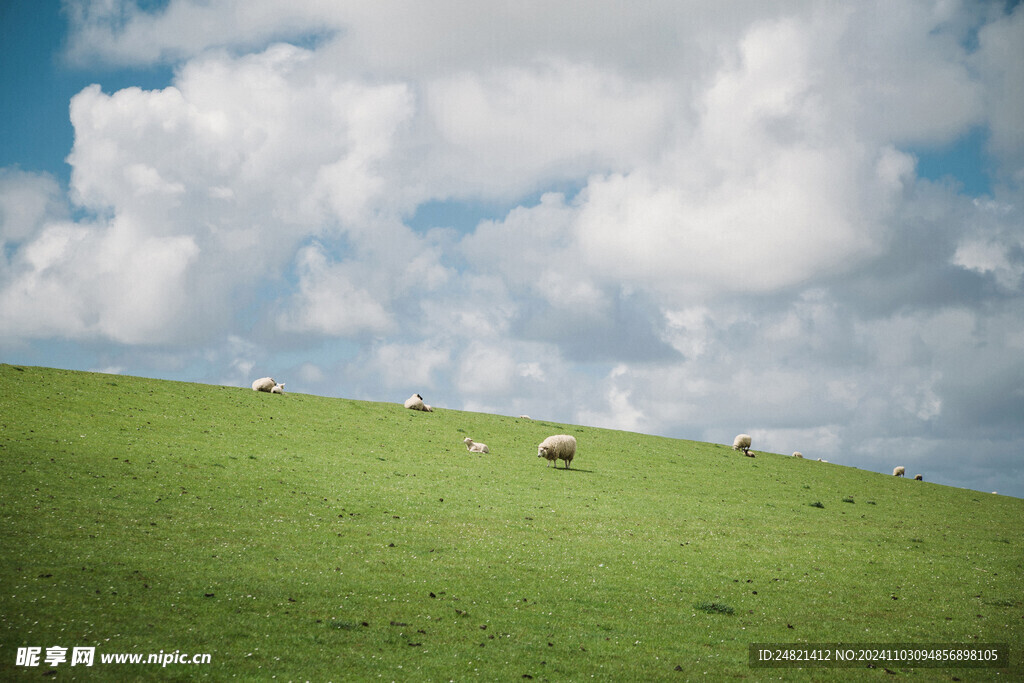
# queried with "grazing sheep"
point(524, 417)
point(742, 443)
point(415, 402)
point(268, 385)
point(475, 447)
point(899, 471)
point(797, 454)
point(918, 477)
point(558, 447)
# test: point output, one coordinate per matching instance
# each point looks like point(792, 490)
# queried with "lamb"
point(899, 471)
point(797, 454)
point(268, 385)
point(557, 447)
point(918, 477)
point(475, 447)
point(742, 443)
point(415, 402)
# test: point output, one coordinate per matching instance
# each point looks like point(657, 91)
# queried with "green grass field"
point(310, 538)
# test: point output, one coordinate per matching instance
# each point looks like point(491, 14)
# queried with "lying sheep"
point(268, 385)
point(558, 447)
point(415, 402)
point(742, 443)
point(797, 454)
point(899, 471)
point(918, 477)
point(475, 447)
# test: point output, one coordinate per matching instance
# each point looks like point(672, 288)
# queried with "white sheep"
point(524, 417)
point(415, 402)
point(918, 477)
point(475, 447)
point(742, 443)
point(268, 385)
point(899, 471)
point(558, 447)
point(797, 454)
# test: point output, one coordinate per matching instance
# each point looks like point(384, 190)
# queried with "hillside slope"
point(305, 537)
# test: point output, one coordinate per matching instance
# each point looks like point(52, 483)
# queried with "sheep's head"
point(467, 441)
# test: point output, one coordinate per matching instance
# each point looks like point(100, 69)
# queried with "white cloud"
point(1002, 71)
point(615, 409)
point(484, 370)
point(206, 188)
point(402, 36)
point(331, 301)
point(27, 202)
point(410, 366)
point(993, 244)
point(101, 280)
point(989, 257)
point(119, 32)
point(514, 129)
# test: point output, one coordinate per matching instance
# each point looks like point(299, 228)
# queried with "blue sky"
point(803, 223)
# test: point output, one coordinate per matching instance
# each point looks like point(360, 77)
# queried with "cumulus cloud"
point(513, 129)
point(1002, 69)
point(330, 300)
point(100, 280)
point(204, 189)
point(27, 202)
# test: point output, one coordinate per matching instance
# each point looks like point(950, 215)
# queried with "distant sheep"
point(475, 447)
point(918, 477)
point(899, 471)
point(742, 443)
point(797, 454)
point(415, 402)
point(558, 447)
point(524, 417)
point(820, 460)
point(268, 385)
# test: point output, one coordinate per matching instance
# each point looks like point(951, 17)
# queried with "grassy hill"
point(311, 538)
